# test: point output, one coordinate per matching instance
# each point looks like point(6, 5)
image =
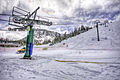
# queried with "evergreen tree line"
point(65, 36)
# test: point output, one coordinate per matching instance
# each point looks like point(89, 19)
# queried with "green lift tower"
point(29, 43)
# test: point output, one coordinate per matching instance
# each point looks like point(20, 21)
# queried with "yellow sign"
point(28, 28)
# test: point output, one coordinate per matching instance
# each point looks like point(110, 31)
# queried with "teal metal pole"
point(29, 43)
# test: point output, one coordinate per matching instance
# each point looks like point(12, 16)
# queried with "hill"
point(109, 38)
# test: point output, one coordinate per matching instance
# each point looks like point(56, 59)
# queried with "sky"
point(68, 12)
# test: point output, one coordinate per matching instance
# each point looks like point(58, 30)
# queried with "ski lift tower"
point(96, 25)
point(29, 42)
point(26, 20)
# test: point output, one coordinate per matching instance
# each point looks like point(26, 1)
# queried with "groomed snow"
point(44, 66)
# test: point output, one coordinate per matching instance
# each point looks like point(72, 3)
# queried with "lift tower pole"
point(29, 43)
point(98, 32)
point(97, 23)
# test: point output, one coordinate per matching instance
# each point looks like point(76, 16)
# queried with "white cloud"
point(73, 11)
point(7, 5)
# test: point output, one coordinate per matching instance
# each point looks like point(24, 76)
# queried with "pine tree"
point(75, 32)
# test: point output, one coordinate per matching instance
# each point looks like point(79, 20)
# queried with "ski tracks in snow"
point(44, 67)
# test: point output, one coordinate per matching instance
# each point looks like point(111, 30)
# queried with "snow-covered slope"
point(41, 35)
point(109, 38)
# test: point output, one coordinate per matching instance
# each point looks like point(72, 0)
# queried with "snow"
point(44, 66)
point(109, 38)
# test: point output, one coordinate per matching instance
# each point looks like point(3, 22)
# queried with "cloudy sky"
point(68, 11)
